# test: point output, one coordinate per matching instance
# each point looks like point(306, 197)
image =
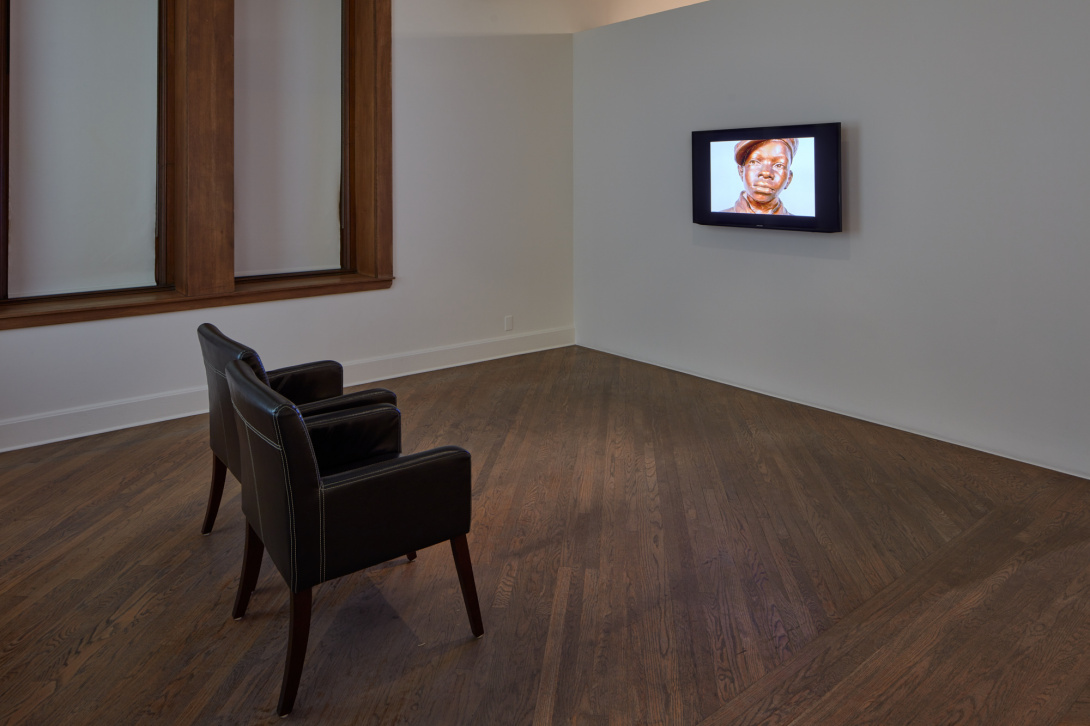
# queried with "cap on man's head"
point(743, 149)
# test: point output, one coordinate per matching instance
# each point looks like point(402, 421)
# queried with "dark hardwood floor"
point(649, 548)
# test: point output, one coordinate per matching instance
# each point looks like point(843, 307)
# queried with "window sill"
point(33, 312)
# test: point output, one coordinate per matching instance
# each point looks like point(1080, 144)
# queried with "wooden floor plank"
point(649, 548)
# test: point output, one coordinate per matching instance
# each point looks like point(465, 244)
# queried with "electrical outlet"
point(508, 322)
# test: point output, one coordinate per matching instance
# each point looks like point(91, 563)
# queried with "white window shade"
point(287, 136)
point(83, 100)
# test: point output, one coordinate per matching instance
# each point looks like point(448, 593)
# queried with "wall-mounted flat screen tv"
point(771, 177)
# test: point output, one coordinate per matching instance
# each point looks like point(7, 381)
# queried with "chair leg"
point(464, 566)
point(219, 475)
point(251, 567)
point(411, 555)
point(299, 627)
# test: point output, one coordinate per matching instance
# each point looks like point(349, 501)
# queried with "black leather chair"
point(314, 387)
point(331, 495)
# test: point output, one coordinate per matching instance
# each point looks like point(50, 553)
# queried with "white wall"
point(963, 321)
point(491, 17)
point(475, 18)
point(482, 229)
point(588, 14)
point(954, 304)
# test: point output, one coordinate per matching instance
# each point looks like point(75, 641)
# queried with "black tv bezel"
point(828, 216)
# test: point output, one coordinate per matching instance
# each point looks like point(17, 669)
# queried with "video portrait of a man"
point(763, 176)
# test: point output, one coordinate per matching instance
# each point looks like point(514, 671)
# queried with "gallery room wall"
point(489, 17)
point(482, 229)
point(955, 303)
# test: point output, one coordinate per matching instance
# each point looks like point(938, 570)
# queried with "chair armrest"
point(345, 440)
point(308, 382)
point(349, 400)
point(444, 461)
point(383, 510)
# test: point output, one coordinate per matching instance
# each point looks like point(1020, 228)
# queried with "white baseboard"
point(448, 356)
point(71, 423)
point(1004, 452)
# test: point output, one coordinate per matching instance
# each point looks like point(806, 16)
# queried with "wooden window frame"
point(195, 197)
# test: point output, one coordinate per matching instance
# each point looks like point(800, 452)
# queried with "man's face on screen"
point(767, 171)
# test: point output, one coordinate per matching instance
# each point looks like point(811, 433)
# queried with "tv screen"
point(769, 177)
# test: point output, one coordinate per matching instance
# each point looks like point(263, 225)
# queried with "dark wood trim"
point(5, 71)
point(367, 130)
point(33, 312)
point(166, 141)
point(195, 198)
point(348, 256)
point(353, 36)
point(203, 167)
point(383, 141)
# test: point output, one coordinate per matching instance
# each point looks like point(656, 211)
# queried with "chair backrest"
point(280, 492)
point(219, 350)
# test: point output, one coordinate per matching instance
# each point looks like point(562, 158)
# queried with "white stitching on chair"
point(350, 416)
point(321, 500)
point(220, 422)
point(253, 469)
point(384, 470)
point(291, 500)
point(257, 494)
point(251, 427)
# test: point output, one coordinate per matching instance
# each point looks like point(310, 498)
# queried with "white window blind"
point(83, 107)
point(287, 135)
